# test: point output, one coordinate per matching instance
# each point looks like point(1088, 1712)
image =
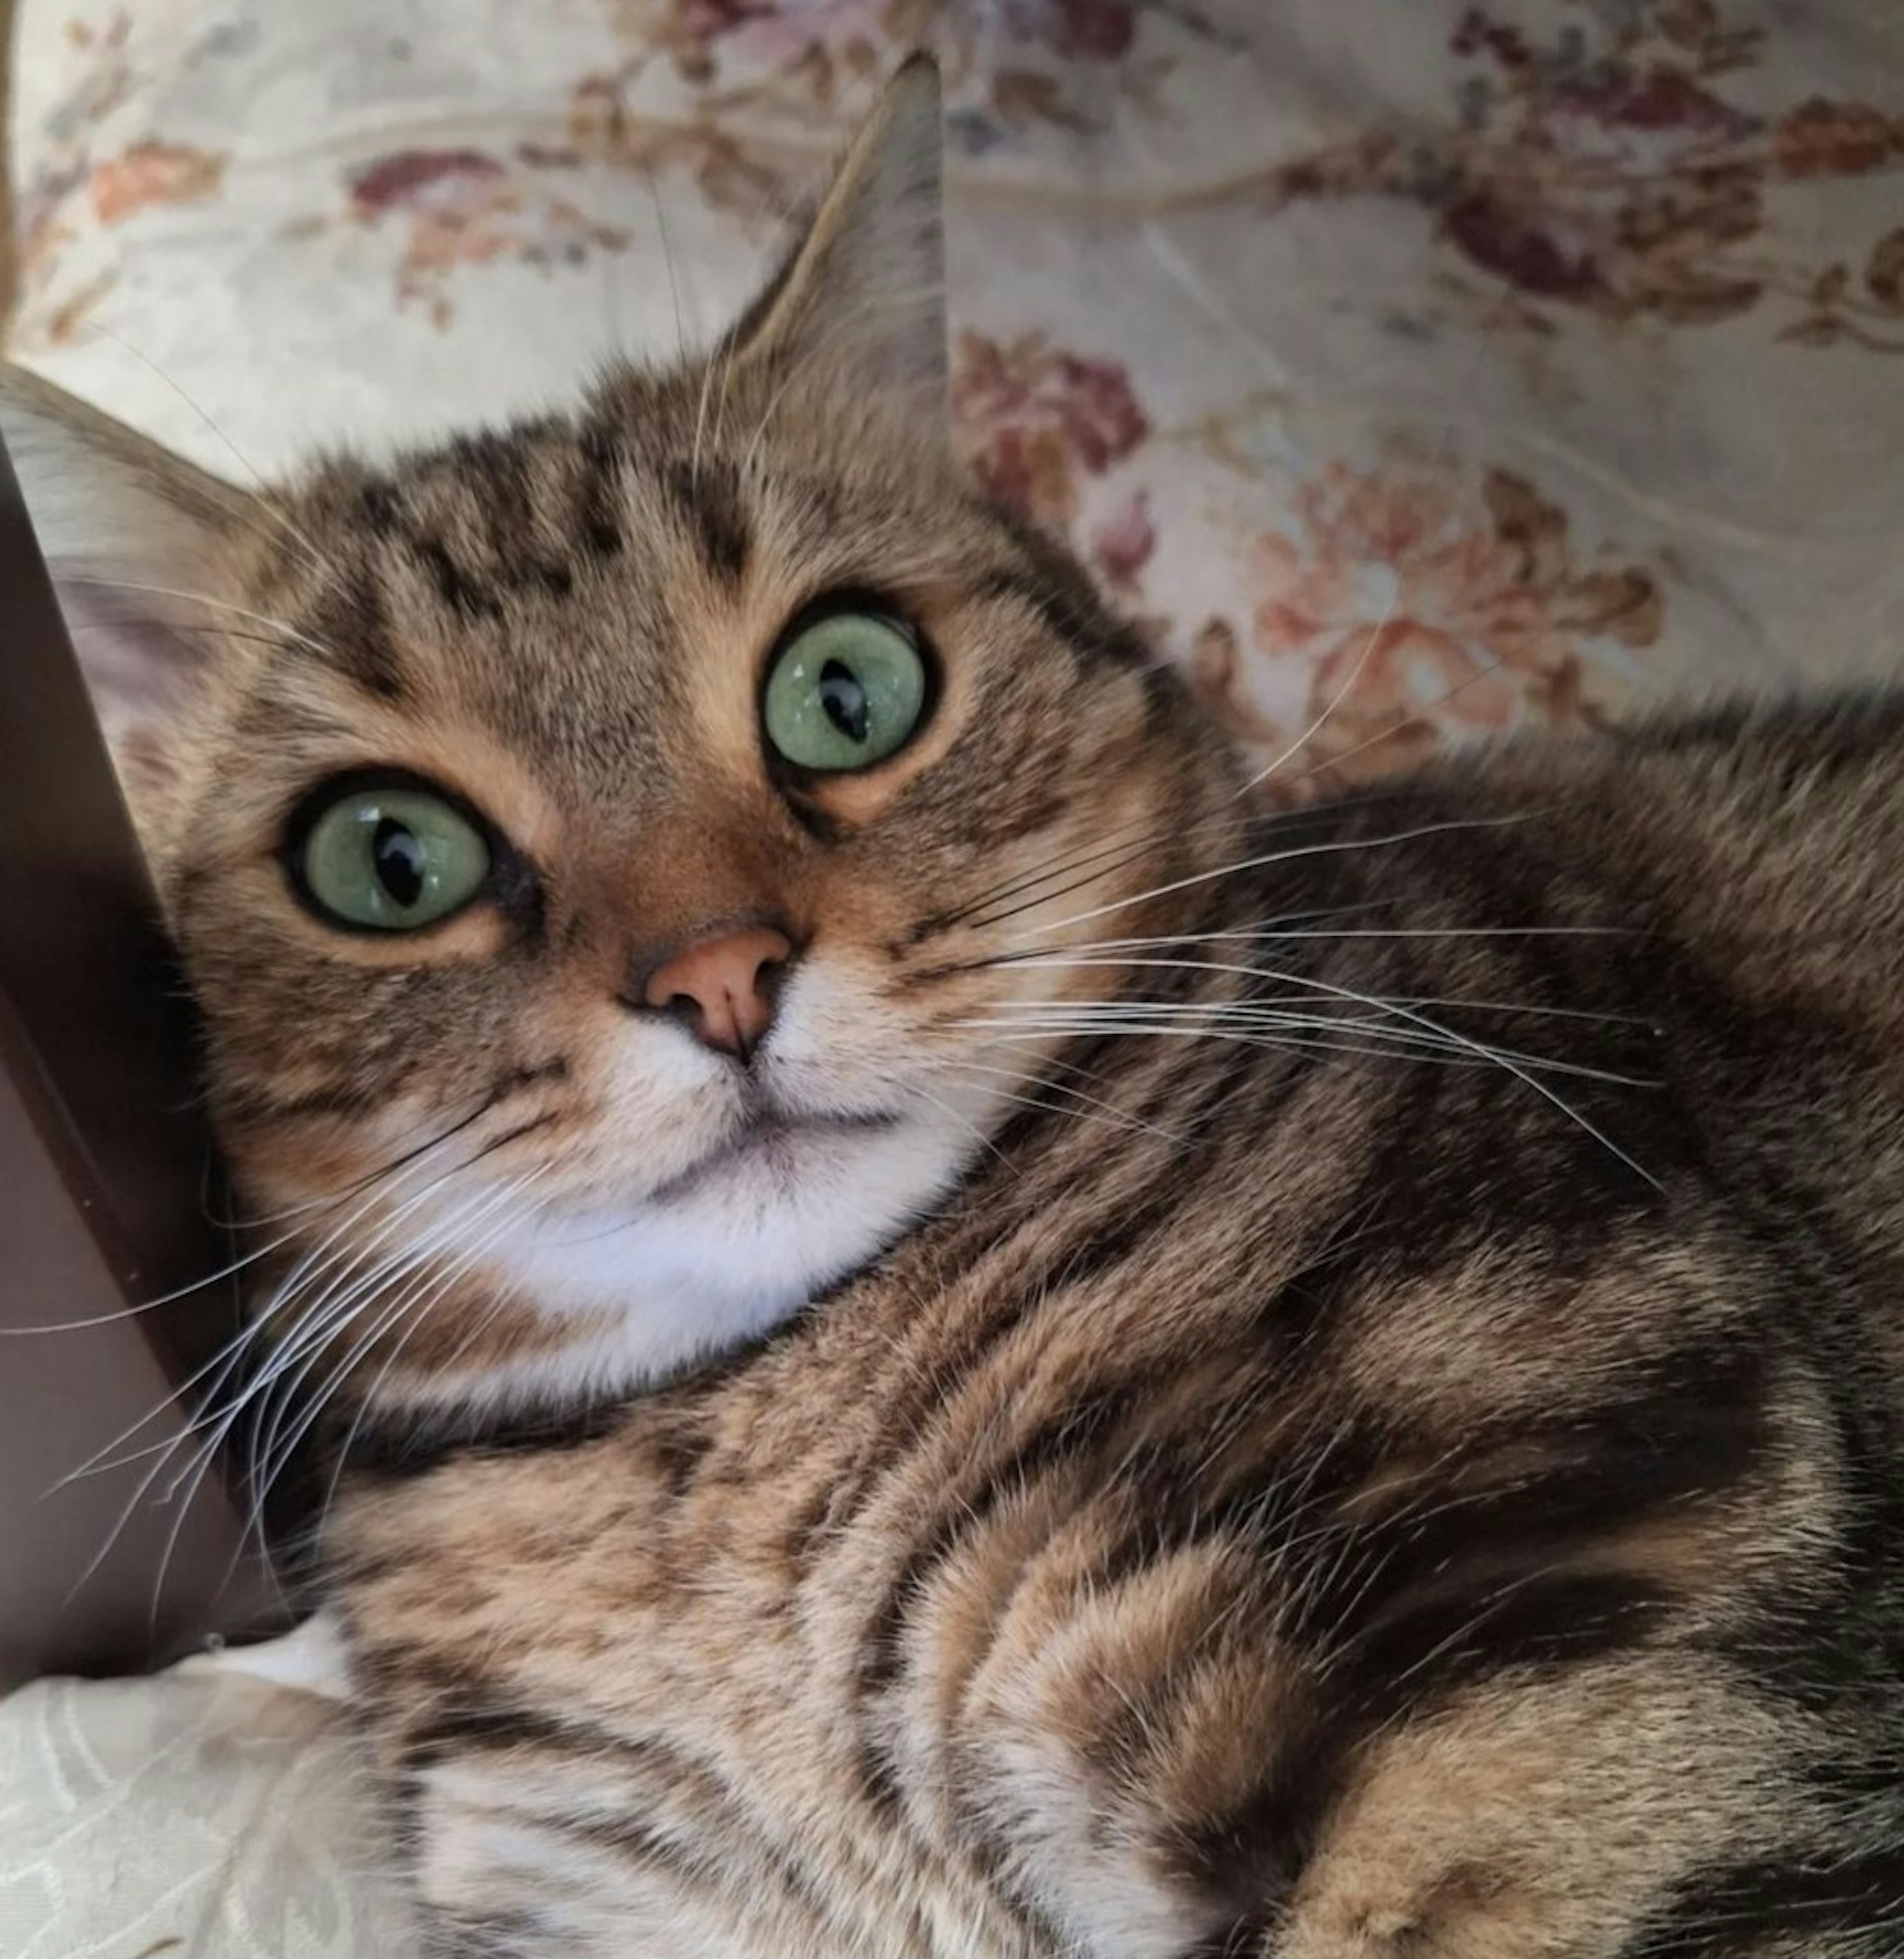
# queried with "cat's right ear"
point(136, 540)
point(863, 291)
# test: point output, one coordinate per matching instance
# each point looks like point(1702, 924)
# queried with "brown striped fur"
point(1332, 1488)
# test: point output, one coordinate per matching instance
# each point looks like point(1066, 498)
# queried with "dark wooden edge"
point(97, 1047)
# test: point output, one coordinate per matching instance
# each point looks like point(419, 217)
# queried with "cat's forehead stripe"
point(708, 497)
point(351, 624)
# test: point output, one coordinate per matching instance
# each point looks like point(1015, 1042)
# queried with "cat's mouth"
point(772, 1140)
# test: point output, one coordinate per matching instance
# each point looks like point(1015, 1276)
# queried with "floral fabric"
point(1411, 371)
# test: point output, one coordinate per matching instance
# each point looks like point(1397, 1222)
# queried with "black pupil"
point(399, 861)
point(844, 699)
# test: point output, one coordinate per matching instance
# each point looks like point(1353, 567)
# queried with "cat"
point(940, 1337)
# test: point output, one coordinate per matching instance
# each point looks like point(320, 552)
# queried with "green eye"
point(392, 859)
point(846, 692)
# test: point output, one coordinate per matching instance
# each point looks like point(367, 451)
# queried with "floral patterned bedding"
point(1412, 370)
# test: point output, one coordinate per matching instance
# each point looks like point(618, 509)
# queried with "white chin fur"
point(747, 1245)
point(721, 1248)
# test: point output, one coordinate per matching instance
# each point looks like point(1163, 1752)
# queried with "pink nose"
point(723, 985)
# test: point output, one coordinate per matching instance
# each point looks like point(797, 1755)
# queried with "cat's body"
point(1352, 1404)
point(1353, 1513)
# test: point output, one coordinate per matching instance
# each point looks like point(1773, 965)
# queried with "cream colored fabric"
point(207, 1813)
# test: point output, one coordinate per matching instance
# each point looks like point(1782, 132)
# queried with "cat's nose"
point(723, 985)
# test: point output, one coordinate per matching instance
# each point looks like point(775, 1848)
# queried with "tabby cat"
point(944, 1344)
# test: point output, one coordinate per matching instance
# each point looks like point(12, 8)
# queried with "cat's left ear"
point(138, 541)
point(863, 291)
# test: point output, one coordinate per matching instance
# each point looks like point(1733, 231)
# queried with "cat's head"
point(632, 864)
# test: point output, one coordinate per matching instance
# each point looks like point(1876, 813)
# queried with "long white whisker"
point(1274, 1009)
point(164, 1299)
point(1289, 855)
point(1107, 853)
point(1342, 693)
point(1095, 1108)
point(401, 1167)
point(1391, 1047)
point(425, 1286)
point(1399, 1043)
point(328, 1314)
point(1395, 726)
point(1520, 1073)
point(981, 912)
point(1213, 1020)
point(1356, 932)
point(264, 619)
point(303, 1352)
point(210, 1431)
point(964, 1120)
point(417, 1312)
point(667, 259)
point(321, 1255)
point(262, 502)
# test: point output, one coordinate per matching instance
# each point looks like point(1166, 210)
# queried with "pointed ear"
point(101, 495)
point(125, 526)
point(865, 288)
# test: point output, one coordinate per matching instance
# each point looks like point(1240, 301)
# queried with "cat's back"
point(1764, 835)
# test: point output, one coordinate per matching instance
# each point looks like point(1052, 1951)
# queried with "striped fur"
point(1385, 1443)
point(1380, 1521)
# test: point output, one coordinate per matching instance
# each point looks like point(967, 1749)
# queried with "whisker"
point(667, 260)
point(1037, 958)
point(1342, 693)
point(1399, 1042)
point(210, 1431)
point(964, 1120)
point(318, 1204)
point(311, 1534)
point(283, 626)
point(1224, 823)
point(307, 1322)
point(1394, 727)
point(320, 1257)
point(1394, 1049)
point(322, 1321)
point(1289, 855)
point(1113, 843)
point(521, 1214)
point(1308, 735)
point(1276, 932)
point(1521, 1073)
point(424, 1287)
point(78, 626)
point(1095, 1108)
point(289, 1370)
point(1357, 932)
point(325, 568)
point(325, 1316)
point(1273, 1012)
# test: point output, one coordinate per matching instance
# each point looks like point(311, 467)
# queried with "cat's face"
point(637, 865)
